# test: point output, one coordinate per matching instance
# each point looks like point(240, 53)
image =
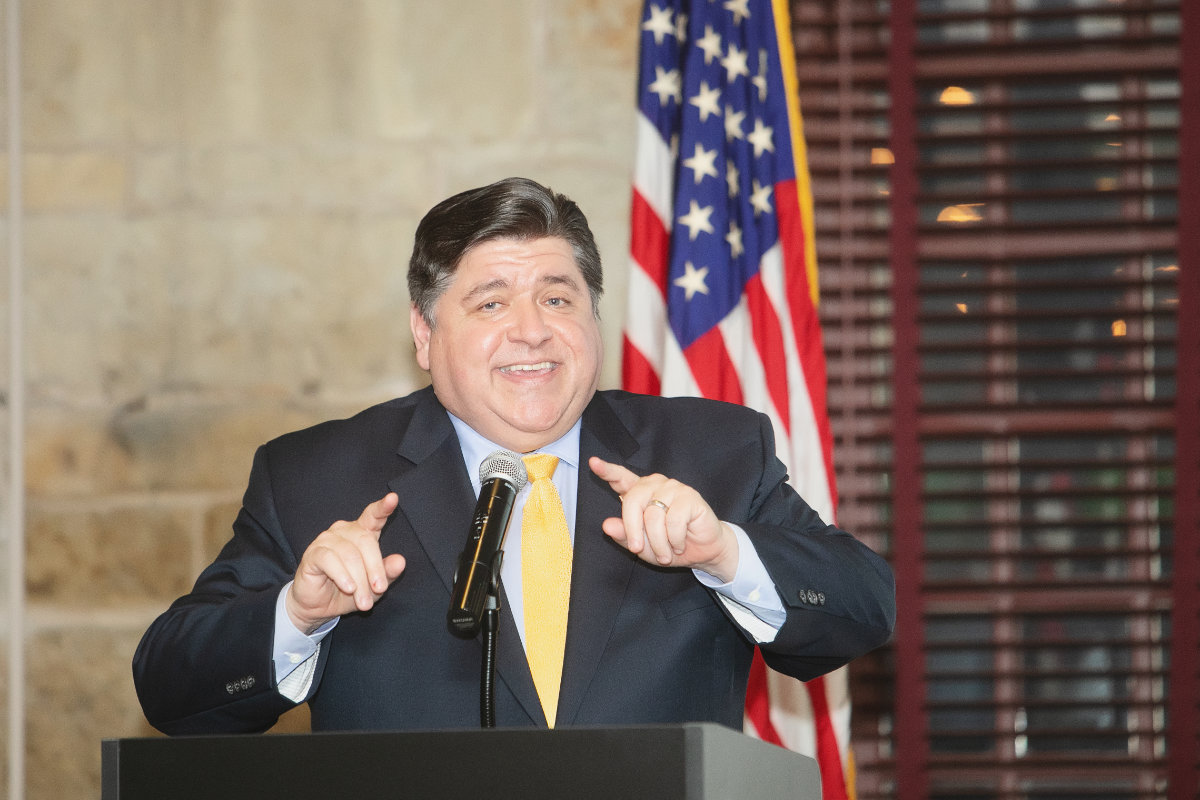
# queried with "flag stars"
point(702, 163)
point(698, 220)
point(659, 24)
point(666, 85)
point(708, 101)
point(736, 64)
point(692, 281)
point(710, 44)
point(734, 238)
point(762, 137)
point(681, 28)
point(733, 124)
point(740, 10)
point(760, 198)
point(733, 179)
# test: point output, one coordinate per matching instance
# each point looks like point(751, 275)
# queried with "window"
point(998, 205)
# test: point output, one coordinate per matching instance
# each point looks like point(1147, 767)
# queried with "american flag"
point(723, 291)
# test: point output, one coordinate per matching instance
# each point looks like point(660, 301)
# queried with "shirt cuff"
point(294, 652)
point(751, 597)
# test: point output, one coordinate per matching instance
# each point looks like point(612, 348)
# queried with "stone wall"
point(218, 206)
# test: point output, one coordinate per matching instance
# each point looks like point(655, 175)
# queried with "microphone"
point(501, 475)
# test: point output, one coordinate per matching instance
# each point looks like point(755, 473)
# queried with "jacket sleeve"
point(838, 594)
point(205, 665)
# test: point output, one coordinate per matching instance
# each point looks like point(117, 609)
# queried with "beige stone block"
point(300, 75)
point(69, 452)
point(158, 181)
point(591, 33)
point(394, 88)
point(108, 557)
point(303, 304)
point(591, 74)
point(360, 178)
point(77, 181)
point(457, 70)
point(285, 306)
point(149, 446)
point(79, 691)
point(75, 72)
point(182, 448)
point(97, 315)
point(219, 86)
point(154, 34)
point(475, 66)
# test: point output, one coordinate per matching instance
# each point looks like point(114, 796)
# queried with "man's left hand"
point(667, 523)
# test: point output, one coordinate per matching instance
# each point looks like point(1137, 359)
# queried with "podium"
point(691, 761)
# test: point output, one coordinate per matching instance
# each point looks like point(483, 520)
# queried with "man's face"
point(516, 351)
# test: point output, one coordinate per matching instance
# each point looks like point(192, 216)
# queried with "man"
point(686, 545)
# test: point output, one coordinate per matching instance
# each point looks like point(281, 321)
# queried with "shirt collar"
point(475, 447)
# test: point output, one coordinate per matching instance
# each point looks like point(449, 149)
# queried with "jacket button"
point(240, 685)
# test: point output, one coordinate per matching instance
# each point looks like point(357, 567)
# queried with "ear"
point(421, 333)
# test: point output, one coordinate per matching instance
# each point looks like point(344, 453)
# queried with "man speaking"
point(654, 543)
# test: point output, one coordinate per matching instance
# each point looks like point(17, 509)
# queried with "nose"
point(529, 323)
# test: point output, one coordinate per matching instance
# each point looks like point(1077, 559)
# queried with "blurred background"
point(208, 212)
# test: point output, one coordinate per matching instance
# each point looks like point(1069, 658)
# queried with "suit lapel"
point(435, 492)
point(437, 499)
point(601, 569)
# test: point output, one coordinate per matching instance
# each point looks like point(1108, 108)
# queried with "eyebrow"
point(556, 279)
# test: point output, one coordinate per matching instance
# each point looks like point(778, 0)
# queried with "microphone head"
point(504, 464)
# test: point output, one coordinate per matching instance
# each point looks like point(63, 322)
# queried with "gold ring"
point(660, 504)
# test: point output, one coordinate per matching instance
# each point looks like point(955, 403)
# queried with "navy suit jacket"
point(644, 644)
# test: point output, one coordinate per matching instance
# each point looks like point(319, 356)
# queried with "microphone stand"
point(491, 623)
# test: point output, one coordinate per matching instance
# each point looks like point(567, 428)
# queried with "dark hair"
point(514, 208)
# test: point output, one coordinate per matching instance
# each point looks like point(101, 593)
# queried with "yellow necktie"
point(545, 580)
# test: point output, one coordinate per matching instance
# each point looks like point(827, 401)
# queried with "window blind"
point(997, 199)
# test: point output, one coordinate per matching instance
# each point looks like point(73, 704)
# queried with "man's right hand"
point(343, 570)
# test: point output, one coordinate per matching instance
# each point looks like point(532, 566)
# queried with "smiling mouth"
point(541, 366)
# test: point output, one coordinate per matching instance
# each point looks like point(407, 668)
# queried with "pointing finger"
point(375, 515)
point(620, 479)
point(627, 529)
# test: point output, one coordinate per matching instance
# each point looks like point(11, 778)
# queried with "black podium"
point(690, 761)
